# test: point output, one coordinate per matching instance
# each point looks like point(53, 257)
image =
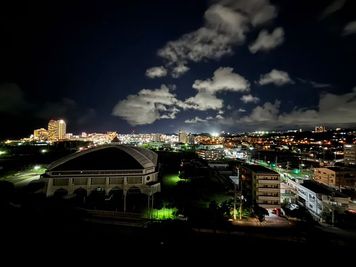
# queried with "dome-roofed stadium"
point(104, 168)
point(107, 157)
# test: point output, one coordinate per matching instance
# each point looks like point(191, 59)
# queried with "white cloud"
point(315, 84)
point(320, 85)
point(241, 110)
point(195, 120)
point(226, 24)
point(220, 112)
point(156, 72)
point(204, 101)
point(266, 41)
point(267, 112)
point(332, 8)
point(223, 80)
point(332, 110)
point(249, 99)
point(148, 106)
point(338, 108)
point(179, 70)
point(350, 28)
point(258, 11)
point(276, 77)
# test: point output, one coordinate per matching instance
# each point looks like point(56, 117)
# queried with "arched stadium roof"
point(107, 157)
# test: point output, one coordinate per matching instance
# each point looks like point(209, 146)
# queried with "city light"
point(37, 167)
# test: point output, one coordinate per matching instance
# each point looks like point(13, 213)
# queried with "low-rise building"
point(350, 154)
point(318, 198)
point(105, 168)
point(336, 177)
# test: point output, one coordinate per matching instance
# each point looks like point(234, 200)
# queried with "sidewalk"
point(270, 221)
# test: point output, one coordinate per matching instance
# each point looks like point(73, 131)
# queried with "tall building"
point(350, 154)
point(265, 185)
point(183, 137)
point(56, 130)
point(40, 134)
point(191, 139)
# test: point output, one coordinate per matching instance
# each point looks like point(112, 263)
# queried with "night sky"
point(161, 66)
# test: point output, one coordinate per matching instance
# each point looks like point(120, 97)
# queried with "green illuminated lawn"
point(161, 214)
point(170, 180)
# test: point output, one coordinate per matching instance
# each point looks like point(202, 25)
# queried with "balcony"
point(267, 181)
point(275, 198)
point(267, 189)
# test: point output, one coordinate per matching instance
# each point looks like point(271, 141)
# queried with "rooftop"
point(259, 169)
point(321, 189)
point(342, 168)
point(107, 157)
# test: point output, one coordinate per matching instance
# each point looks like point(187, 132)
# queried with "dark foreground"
point(63, 234)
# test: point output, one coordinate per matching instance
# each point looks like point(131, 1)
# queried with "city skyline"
point(158, 67)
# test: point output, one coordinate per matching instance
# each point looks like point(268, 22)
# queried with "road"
point(23, 178)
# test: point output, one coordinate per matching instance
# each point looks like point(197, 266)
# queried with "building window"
point(134, 180)
point(97, 181)
point(116, 180)
point(80, 181)
point(60, 182)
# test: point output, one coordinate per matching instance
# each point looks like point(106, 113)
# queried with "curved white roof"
point(146, 158)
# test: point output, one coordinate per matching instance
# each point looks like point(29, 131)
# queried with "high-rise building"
point(350, 154)
point(191, 139)
point(183, 137)
point(56, 130)
point(40, 134)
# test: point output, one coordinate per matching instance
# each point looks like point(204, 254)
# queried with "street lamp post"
point(234, 201)
point(241, 199)
point(235, 180)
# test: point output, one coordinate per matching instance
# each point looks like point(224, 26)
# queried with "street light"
point(235, 180)
point(241, 198)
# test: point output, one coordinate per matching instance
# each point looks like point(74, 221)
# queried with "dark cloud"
point(12, 99)
point(333, 7)
point(69, 110)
